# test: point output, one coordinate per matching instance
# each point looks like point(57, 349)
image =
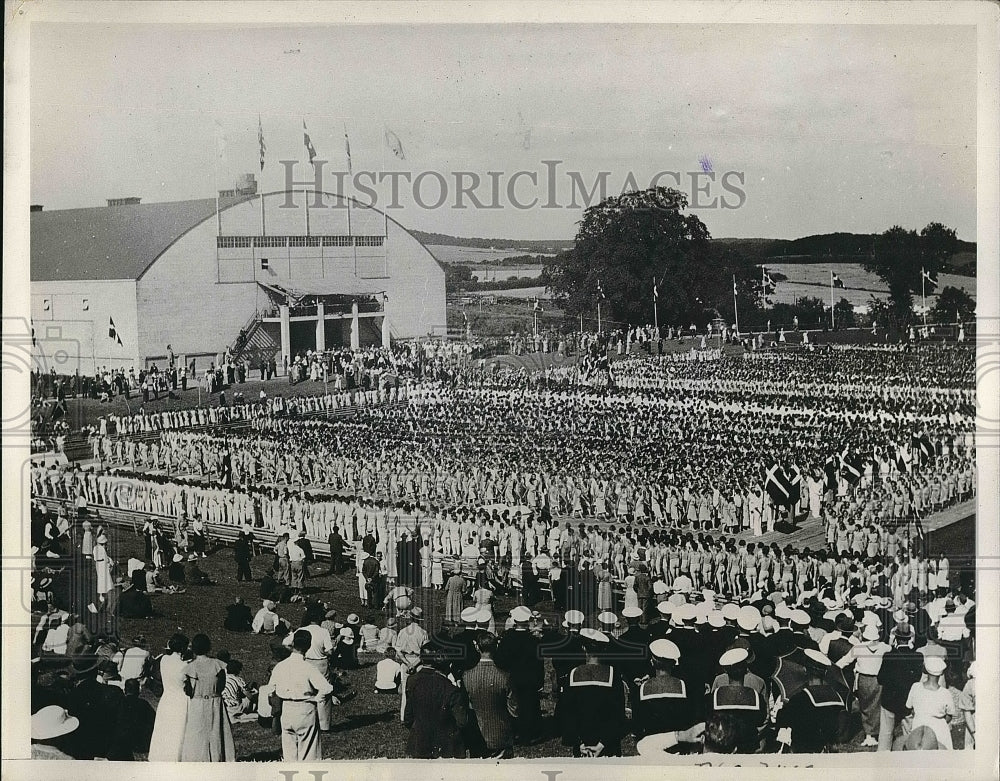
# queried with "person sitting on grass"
point(238, 618)
point(387, 673)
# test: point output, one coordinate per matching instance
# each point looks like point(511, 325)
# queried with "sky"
point(814, 128)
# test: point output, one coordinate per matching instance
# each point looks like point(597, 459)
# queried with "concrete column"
point(286, 333)
point(386, 337)
point(355, 327)
point(320, 327)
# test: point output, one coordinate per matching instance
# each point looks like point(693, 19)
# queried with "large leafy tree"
point(900, 254)
point(627, 241)
point(953, 302)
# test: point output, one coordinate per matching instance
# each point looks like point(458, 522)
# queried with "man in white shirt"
point(318, 654)
point(867, 657)
point(299, 685)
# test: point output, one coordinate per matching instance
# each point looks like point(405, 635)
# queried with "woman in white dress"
point(171, 711)
point(102, 566)
point(933, 705)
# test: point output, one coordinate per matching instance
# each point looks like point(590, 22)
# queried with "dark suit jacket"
point(436, 713)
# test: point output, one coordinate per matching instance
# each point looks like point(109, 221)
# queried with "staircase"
point(253, 341)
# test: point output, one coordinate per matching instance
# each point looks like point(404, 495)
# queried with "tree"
point(953, 302)
point(843, 313)
point(900, 255)
point(627, 241)
point(458, 277)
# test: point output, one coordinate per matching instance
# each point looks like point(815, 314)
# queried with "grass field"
point(365, 727)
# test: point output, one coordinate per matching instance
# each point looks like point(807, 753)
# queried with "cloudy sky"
point(830, 128)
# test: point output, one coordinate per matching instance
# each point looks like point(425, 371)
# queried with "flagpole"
point(598, 316)
point(736, 309)
point(305, 197)
point(923, 293)
point(833, 320)
point(656, 309)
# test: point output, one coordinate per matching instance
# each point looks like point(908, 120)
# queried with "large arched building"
point(277, 273)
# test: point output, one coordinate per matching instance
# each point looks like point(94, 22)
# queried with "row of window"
point(248, 242)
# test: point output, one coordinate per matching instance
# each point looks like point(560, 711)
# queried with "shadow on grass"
point(366, 720)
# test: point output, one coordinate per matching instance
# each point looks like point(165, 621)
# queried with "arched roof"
point(122, 242)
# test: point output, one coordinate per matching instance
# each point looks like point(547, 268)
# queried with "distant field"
point(447, 253)
point(813, 280)
point(497, 273)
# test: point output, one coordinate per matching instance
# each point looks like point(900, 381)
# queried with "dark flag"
point(777, 484)
point(113, 332)
point(850, 466)
point(836, 281)
point(830, 470)
point(794, 475)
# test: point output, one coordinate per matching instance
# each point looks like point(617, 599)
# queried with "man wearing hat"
point(566, 652)
point(735, 672)
point(51, 731)
point(632, 648)
point(810, 720)
point(867, 657)
point(663, 703)
point(96, 705)
point(436, 710)
point(410, 639)
point(901, 668)
point(518, 652)
point(592, 712)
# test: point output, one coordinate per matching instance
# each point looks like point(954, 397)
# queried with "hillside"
point(822, 248)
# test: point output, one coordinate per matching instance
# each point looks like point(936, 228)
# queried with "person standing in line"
point(208, 735)
point(868, 662)
point(299, 686)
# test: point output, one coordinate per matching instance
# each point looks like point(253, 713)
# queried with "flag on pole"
point(310, 149)
point(734, 287)
point(395, 145)
point(347, 147)
point(656, 291)
point(600, 291)
point(260, 140)
point(835, 280)
point(113, 332)
point(795, 483)
point(850, 466)
point(927, 275)
point(537, 307)
point(777, 484)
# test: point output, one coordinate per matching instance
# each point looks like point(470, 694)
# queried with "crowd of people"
point(635, 508)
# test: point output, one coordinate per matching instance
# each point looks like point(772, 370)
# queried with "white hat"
point(733, 656)
point(716, 619)
point(632, 612)
point(484, 615)
point(346, 636)
point(573, 618)
point(971, 672)
point(665, 608)
point(595, 635)
point(665, 649)
point(684, 612)
point(353, 619)
point(659, 587)
point(682, 583)
point(748, 618)
point(782, 611)
point(178, 557)
point(520, 614)
point(800, 618)
point(819, 658)
point(52, 722)
point(934, 665)
point(730, 611)
point(870, 632)
point(708, 594)
point(469, 615)
point(608, 618)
